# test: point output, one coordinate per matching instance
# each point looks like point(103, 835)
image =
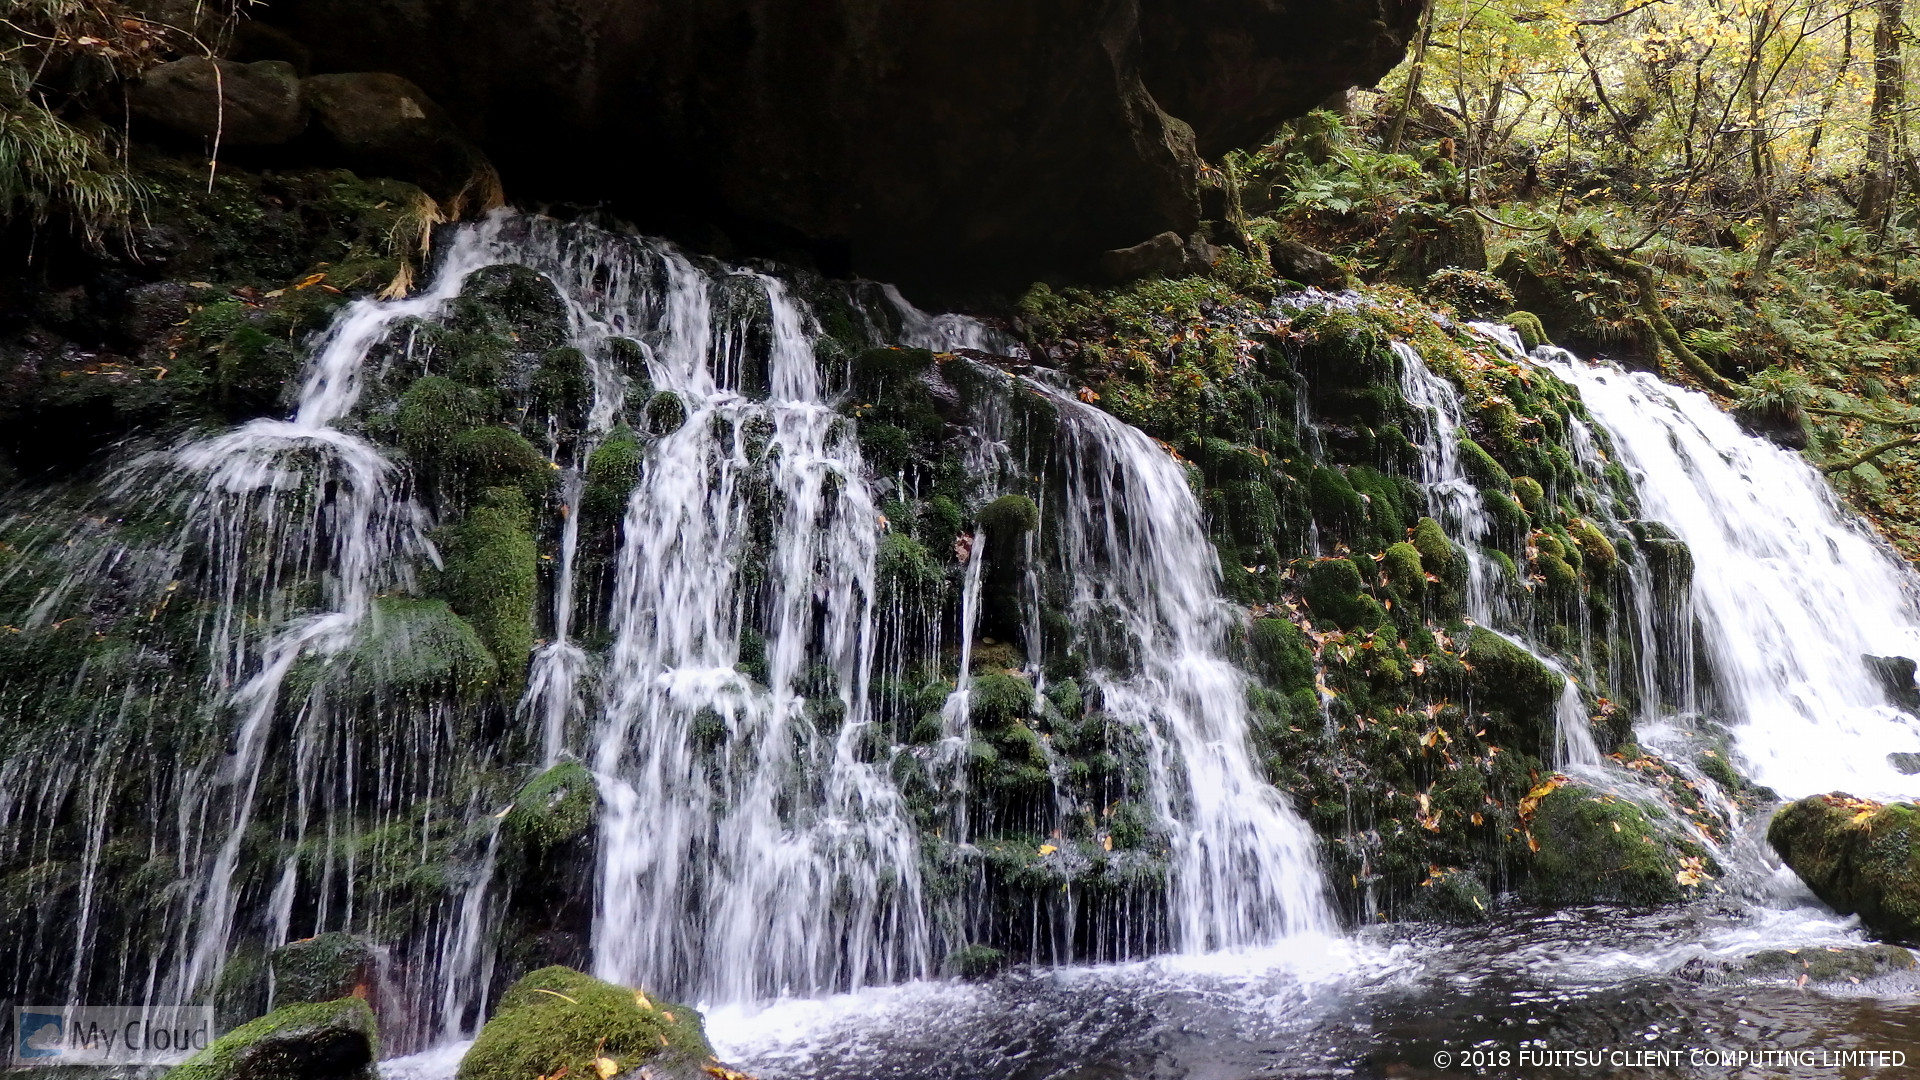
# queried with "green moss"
point(434, 411)
point(905, 567)
point(1009, 516)
point(1861, 858)
point(557, 1018)
point(1563, 581)
point(665, 413)
point(1509, 680)
point(1599, 848)
point(1480, 467)
point(561, 387)
point(1406, 571)
point(1452, 896)
point(613, 469)
point(1332, 591)
point(418, 648)
point(1281, 655)
point(335, 1040)
point(1531, 494)
point(554, 808)
point(1594, 546)
point(1527, 325)
point(324, 968)
point(494, 457)
point(492, 574)
point(976, 962)
point(1436, 551)
point(1510, 519)
point(999, 698)
point(1335, 504)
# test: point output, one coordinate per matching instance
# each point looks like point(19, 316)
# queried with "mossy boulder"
point(613, 469)
point(1511, 681)
point(1531, 495)
point(1281, 655)
point(328, 967)
point(559, 1019)
point(1528, 326)
point(1332, 591)
point(417, 648)
point(495, 457)
point(556, 807)
point(434, 411)
point(1452, 895)
point(1598, 848)
point(1861, 857)
point(976, 963)
point(1436, 551)
point(1597, 551)
point(329, 1040)
point(665, 413)
point(492, 574)
point(1480, 467)
point(1009, 516)
point(1406, 572)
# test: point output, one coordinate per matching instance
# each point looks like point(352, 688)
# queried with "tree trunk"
point(1413, 79)
point(1876, 191)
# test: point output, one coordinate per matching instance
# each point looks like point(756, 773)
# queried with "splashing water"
point(1791, 591)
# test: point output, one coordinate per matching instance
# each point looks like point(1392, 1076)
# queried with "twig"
point(1867, 455)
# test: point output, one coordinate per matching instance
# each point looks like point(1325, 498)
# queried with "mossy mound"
point(1511, 682)
point(612, 471)
point(1281, 655)
point(492, 574)
point(1452, 896)
point(434, 411)
point(1527, 325)
point(559, 1019)
point(417, 648)
point(1332, 590)
point(1596, 848)
point(1861, 857)
point(554, 808)
point(494, 457)
point(1480, 467)
point(329, 1040)
point(1406, 571)
point(325, 968)
point(1009, 516)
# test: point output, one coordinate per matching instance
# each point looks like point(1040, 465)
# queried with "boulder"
point(1594, 847)
point(1307, 265)
point(929, 142)
point(384, 123)
point(1895, 674)
point(1164, 254)
point(1861, 857)
point(255, 104)
point(329, 1040)
point(558, 1019)
point(327, 967)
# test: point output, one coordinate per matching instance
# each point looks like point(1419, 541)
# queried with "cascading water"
point(1244, 865)
point(1791, 592)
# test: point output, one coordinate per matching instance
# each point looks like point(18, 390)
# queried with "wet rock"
point(324, 968)
point(556, 807)
point(1896, 675)
point(386, 124)
point(1508, 680)
point(1861, 857)
point(1599, 848)
point(331, 1040)
point(255, 104)
point(1906, 763)
point(558, 1019)
point(1014, 138)
point(1831, 964)
point(1307, 265)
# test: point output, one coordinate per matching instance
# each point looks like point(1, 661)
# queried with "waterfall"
point(1245, 869)
point(1790, 590)
point(1455, 501)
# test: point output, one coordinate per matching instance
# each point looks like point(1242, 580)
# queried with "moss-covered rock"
point(416, 648)
point(328, 967)
point(434, 411)
point(665, 413)
point(612, 471)
point(495, 457)
point(1332, 589)
point(1527, 325)
point(1281, 655)
point(1452, 895)
point(1406, 572)
point(1531, 495)
point(492, 575)
point(1509, 680)
point(559, 1019)
point(331, 1040)
point(1594, 847)
point(556, 807)
point(1861, 857)
point(1009, 516)
point(1597, 551)
point(1436, 551)
point(1480, 467)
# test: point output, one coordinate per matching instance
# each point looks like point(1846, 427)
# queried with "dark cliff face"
point(940, 143)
